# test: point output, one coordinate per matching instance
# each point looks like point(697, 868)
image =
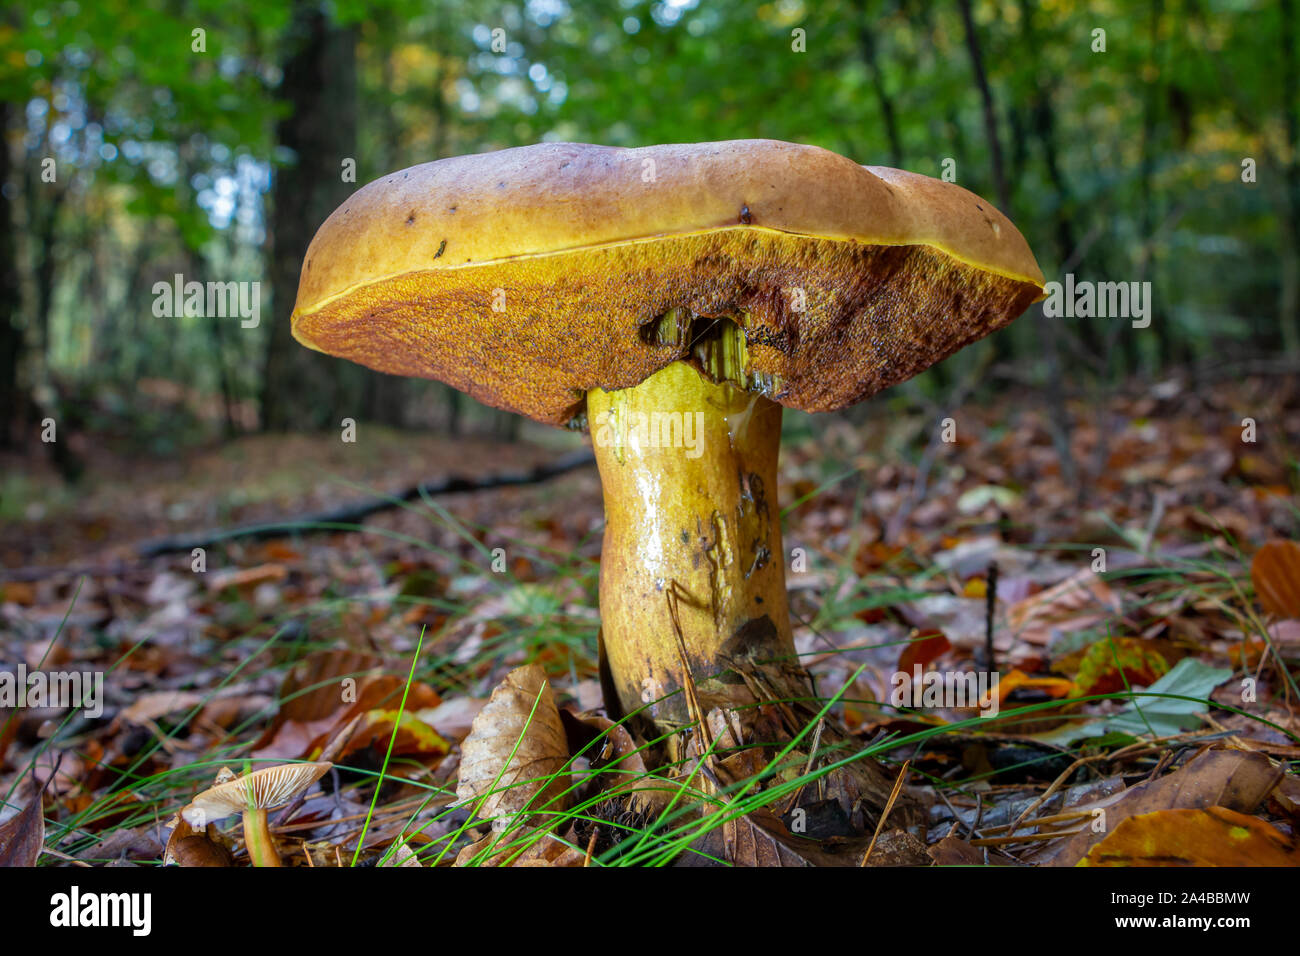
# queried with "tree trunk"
point(990, 112)
point(867, 43)
point(1147, 202)
point(301, 388)
point(1289, 302)
point(11, 335)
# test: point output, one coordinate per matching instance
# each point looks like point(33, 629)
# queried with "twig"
point(990, 607)
point(352, 513)
point(1027, 838)
point(889, 805)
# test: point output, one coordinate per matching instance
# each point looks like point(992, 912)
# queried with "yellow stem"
point(688, 468)
point(258, 839)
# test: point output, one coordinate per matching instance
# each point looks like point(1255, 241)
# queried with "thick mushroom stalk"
point(692, 537)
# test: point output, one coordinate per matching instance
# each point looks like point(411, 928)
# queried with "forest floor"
point(1125, 564)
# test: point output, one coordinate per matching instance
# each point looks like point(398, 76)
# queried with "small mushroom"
point(620, 291)
point(253, 795)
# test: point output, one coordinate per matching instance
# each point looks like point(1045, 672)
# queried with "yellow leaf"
point(1215, 836)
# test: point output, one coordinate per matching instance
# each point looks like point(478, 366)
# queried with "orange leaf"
point(1276, 575)
point(1056, 687)
point(1215, 836)
point(18, 592)
point(924, 647)
point(1112, 664)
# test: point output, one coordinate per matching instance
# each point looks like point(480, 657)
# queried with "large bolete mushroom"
point(672, 299)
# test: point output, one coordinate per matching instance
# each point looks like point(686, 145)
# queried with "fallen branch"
point(321, 521)
point(314, 522)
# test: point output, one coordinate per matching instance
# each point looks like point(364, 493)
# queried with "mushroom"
point(253, 795)
point(670, 299)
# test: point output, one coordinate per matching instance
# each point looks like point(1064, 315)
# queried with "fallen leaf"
point(8, 731)
point(326, 692)
point(1215, 836)
point(189, 847)
point(22, 835)
point(897, 847)
point(520, 718)
point(979, 497)
point(759, 838)
point(151, 706)
point(620, 768)
point(1163, 716)
point(402, 855)
point(526, 846)
point(954, 851)
point(453, 718)
point(17, 592)
point(124, 844)
point(1233, 779)
point(244, 578)
point(1275, 572)
point(1052, 686)
point(922, 648)
point(1080, 601)
point(1112, 664)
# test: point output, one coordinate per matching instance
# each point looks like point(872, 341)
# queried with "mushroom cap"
point(527, 277)
point(266, 789)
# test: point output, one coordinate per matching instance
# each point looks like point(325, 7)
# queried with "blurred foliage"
point(1122, 165)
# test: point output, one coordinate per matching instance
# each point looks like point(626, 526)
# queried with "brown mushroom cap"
point(263, 789)
point(529, 276)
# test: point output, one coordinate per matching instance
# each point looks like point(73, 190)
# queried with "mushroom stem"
point(688, 469)
point(257, 837)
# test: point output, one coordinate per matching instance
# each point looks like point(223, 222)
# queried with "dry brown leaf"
point(1080, 601)
point(520, 712)
point(403, 855)
point(453, 718)
point(760, 838)
point(922, 647)
point(151, 706)
point(18, 592)
point(22, 835)
point(1215, 836)
point(1233, 779)
point(897, 847)
point(732, 759)
point(326, 692)
point(8, 731)
point(246, 577)
point(201, 848)
point(546, 850)
point(124, 844)
point(953, 851)
point(1275, 572)
point(622, 767)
